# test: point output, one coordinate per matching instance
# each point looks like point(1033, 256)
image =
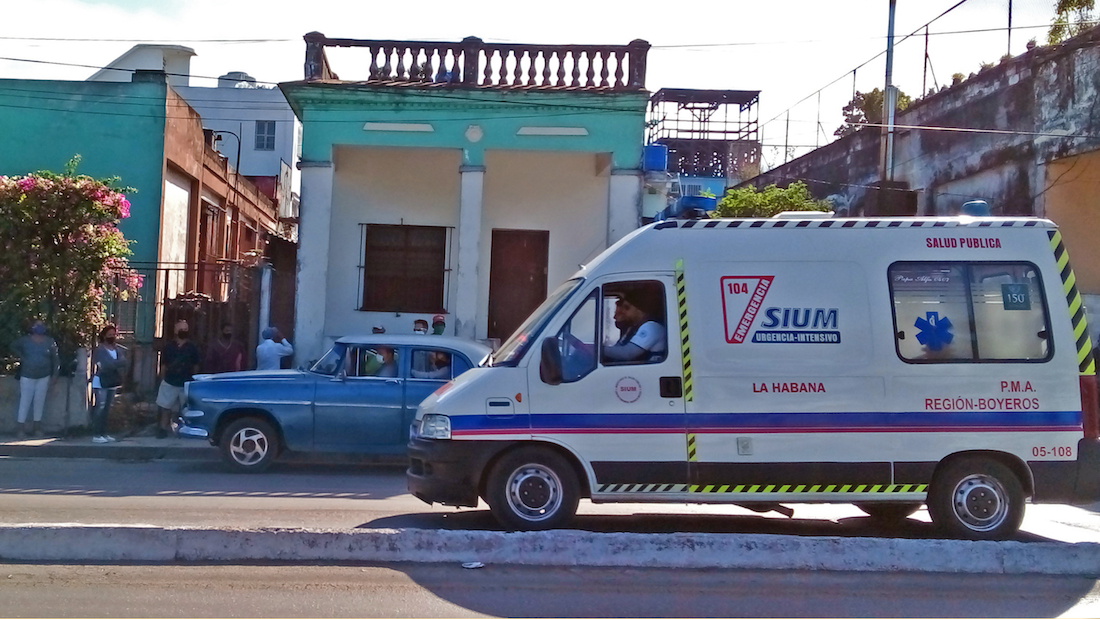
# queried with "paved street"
point(167, 493)
point(450, 591)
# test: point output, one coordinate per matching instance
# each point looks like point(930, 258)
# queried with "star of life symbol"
point(935, 332)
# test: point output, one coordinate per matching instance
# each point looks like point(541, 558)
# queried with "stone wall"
point(1028, 102)
point(66, 401)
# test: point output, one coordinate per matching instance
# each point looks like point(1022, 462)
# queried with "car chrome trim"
point(190, 432)
point(190, 414)
point(239, 401)
point(358, 405)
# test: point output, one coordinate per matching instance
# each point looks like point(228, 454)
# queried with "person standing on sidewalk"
point(38, 362)
point(270, 352)
point(179, 360)
point(109, 363)
point(225, 354)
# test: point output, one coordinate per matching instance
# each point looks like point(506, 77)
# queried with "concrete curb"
point(78, 543)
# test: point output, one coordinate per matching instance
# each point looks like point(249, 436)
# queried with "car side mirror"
point(550, 366)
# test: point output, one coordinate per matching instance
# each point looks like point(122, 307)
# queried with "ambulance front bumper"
point(448, 471)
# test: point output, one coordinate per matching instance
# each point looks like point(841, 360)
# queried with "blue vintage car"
point(359, 398)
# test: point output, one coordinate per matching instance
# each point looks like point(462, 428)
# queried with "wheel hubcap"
point(980, 502)
point(534, 492)
point(248, 446)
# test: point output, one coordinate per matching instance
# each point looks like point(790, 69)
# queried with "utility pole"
point(1009, 52)
point(889, 102)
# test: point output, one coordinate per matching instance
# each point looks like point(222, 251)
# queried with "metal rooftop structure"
point(709, 133)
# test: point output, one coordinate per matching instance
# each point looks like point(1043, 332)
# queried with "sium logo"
point(796, 325)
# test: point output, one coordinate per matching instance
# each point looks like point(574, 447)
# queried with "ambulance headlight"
point(435, 426)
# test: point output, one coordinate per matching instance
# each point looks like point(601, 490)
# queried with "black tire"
point(889, 514)
point(249, 445)
point(976, 498)
point(532, 488)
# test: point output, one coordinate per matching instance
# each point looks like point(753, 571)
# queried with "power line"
point(874, 38)
point(865, 63)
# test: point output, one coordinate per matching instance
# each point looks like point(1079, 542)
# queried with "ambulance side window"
point(958, 312)
point(635, 328)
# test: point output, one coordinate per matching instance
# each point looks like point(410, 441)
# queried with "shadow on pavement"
point(517, 591)
point(482, 520)
point(199, 478)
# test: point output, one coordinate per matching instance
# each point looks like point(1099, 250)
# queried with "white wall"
point(175, 60)
point(413, 186)
point(564, 193)
point(237, 110)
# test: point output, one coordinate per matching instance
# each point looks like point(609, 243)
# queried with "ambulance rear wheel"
point(976, 498)
point(532, 488)
point(891, 514)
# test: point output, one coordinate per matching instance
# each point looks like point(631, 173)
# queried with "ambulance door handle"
point(671, 387)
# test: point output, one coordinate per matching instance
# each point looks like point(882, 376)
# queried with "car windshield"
point(331, 362)
point(513, 349)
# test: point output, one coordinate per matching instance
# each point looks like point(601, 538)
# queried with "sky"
point(787, 49)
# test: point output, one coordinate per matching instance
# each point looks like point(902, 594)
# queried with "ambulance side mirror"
point(550, 366)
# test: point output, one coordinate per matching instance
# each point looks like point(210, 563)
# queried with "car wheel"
point(977, 498)
point(533, 488)
point(249, 445)
point(888, 514)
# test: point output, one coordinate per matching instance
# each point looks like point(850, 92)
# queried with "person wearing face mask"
point(179, 360)
point(109, 364)
point(439, 324)
point(224, 354)
point(420, 326)
point(38, 361)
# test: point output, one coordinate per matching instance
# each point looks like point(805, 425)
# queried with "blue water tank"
point(976, 208)
point(655, 158)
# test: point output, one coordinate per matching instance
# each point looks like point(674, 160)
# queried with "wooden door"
point(517, 278)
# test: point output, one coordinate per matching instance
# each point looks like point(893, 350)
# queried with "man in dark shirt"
point(179, 360)
point(225, 354)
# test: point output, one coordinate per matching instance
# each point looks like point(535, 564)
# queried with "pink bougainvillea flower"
point(26, 183)
point(124, 208)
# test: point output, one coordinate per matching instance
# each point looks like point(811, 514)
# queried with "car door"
point(361, 409)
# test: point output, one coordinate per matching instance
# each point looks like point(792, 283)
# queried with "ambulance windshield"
point(513, 349)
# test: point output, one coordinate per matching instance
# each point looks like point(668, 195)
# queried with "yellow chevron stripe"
point(685, 342)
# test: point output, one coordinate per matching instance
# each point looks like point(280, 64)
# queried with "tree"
point(1071, 17)
point(751, 202)
point(67, 255)
point(866, 108)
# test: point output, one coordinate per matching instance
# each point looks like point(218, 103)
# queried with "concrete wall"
point(66, 401)
point(1024, 167)
point(382, 186)
point(117, 128)
point(564, 193)
point(237, 110)
point(175, 60)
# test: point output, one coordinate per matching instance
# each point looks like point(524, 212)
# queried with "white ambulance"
point(887, 363)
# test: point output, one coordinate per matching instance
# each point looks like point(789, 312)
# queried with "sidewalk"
point(128, 448)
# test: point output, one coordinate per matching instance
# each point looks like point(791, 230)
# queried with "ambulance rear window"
point(969, 312)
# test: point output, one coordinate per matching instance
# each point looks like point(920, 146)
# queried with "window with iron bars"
point(403, 268)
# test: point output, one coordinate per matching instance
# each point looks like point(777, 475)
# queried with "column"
point(624, 203)
point(314, 226)
point(469, 243)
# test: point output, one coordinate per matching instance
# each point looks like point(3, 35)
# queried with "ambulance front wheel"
point(533, 488)
point(976, 498)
